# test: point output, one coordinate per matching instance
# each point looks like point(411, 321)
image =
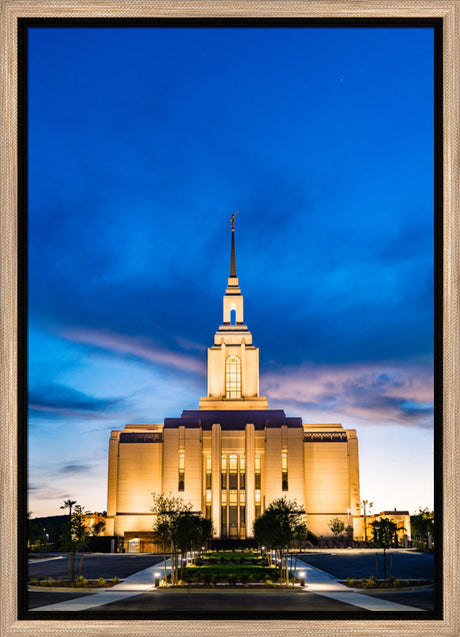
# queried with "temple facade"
point(233, 455)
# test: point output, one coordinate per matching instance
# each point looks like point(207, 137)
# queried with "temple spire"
point(232, 258)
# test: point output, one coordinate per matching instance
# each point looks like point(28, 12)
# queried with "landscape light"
point(157, 580)
point(302, 578)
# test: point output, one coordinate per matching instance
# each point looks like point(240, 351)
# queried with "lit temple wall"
point(139, 474)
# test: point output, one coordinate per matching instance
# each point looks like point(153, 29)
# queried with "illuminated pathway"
point(133, 585)
point(317, 582)
point(326, 585)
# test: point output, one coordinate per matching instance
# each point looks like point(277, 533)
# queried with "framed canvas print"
point(229, 317)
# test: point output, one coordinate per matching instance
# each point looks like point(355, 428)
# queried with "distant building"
point(232, 456)
point(400, 518)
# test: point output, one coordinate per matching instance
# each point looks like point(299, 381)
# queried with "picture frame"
point(12, 11)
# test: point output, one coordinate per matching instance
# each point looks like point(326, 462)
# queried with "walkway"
point(136, 584)
point(317, 582)
point(328, 586)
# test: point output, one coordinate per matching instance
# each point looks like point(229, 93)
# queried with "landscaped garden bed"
point(80, 582)
point(393, 582)
point(230, 568)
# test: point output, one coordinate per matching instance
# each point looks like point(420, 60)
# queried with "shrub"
point(48, 581)
point(100, 581)
point(116, 580)
point(34, 581)
point(371, 582)
point(351, 581)
point(81, 581)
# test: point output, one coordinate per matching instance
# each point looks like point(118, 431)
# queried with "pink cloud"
point(138, 347)
point(376, 393)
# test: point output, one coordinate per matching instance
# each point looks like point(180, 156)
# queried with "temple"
point(233, 455)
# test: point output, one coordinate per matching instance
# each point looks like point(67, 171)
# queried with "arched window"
point(233, 377)
point(233, 314)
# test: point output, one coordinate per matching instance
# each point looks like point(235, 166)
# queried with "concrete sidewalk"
point(133, 585)
point(324, 584)
point(317, 582)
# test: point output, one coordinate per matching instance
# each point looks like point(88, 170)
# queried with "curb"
point(404, 589)
point(67, 589)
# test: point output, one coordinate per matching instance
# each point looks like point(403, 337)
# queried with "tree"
point(192, 531)
point(385, 532)
point(98, 527)
point(74, 537)
point(282, 523)
point(207, 531)
point(337, 526)
point(422, 522)
point(365, 504)
point(68, 504)
point(349, 533)
point(168, 511)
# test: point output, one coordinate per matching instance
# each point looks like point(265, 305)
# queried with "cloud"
point(45, 491)
point(75, 468)
point(374, 394)
point(59, 400)
point(137, 347)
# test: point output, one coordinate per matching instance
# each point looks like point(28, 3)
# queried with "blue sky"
point(142, 142)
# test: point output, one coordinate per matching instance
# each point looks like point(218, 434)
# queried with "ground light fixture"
point(302, 578)
point(157, 580)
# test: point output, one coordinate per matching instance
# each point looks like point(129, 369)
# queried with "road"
point(360, 563)
point(96, 565)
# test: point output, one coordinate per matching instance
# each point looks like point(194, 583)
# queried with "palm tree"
point(68, 504)
point(364, 504)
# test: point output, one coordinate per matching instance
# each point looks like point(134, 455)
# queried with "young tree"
point(192, 532)
point(282, 522)
point(337, 526)
point(168, 511)
point(74, 537)
point(349, 533)
point(207, 531)
point(384, 535)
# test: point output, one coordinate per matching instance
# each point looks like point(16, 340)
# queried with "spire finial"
point(232, 259)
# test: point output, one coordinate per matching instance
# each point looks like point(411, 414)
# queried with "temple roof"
point(232, 419)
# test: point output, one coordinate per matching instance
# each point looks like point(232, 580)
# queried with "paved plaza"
point(323, 591)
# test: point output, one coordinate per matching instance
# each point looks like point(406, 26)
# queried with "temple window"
point(181, 481)
point(233, 377)
point(284, 471)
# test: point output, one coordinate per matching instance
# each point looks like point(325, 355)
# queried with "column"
point(249, 455)
point(216, 453)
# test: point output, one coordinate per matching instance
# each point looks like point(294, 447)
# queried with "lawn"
point(231, 567)
point(233, 557)
point(224, 571)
